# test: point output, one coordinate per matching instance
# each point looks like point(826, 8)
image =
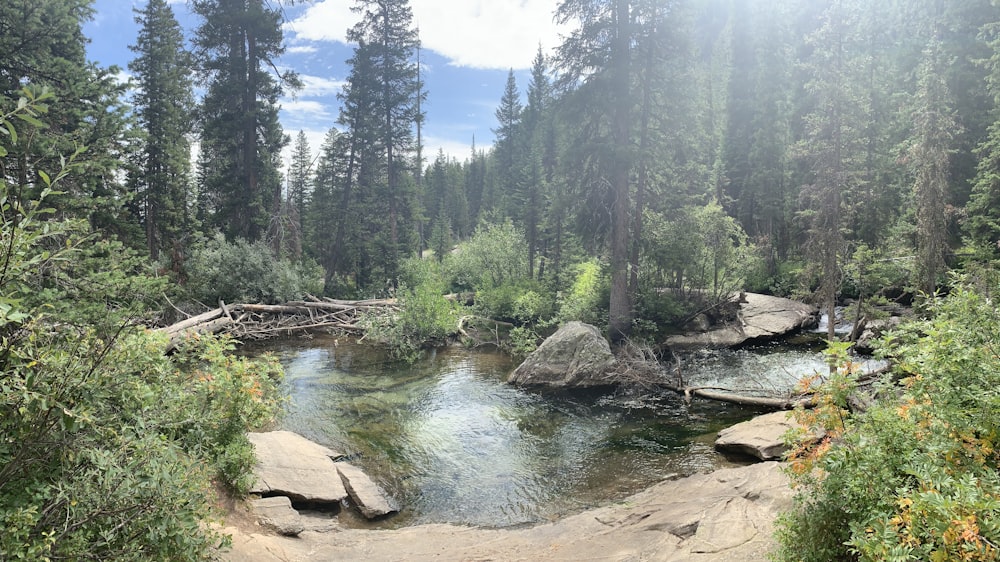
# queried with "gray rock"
point(874, 330)
point(277, 513)
point(366, 495)
point(726, 515)
point(761, 437)
point(291, 465)
point(576, 356)
point(760, 317)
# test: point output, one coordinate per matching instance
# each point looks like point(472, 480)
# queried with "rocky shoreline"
point(726, 515)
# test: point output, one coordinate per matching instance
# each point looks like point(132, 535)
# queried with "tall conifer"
point(164, 108)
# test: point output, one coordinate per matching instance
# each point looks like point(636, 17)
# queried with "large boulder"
point(576, 356)
point(760, 317)
point(762, 437)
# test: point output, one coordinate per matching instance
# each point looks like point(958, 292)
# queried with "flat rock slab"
point(277, 513)
point(761, 437)
point(291, 465)
point(366, 495)
point(726, 515)
point(761, 317)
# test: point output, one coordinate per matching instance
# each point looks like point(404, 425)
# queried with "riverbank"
point(727, 515)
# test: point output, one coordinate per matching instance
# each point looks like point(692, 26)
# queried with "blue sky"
point(469, 46)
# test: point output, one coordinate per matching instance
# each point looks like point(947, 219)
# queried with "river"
point(452, 443)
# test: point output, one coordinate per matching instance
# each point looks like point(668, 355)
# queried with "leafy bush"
point(494, 256)
point(874, 272)
point(107, 447)
point(915, 477)
point(523, 341)
point(425, 318)
point(587, 296)
point(523, 301)
point(241, 271)
point(105, 279)
point(699, 248)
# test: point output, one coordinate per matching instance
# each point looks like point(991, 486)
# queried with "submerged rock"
point(366, 495)
point(576, 356)
point(761, 437)
point(760, 317)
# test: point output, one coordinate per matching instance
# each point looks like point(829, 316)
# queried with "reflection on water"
point(453, 443)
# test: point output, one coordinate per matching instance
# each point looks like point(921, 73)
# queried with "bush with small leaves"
point(108, 448)
point(241, 271)
point(915, 477)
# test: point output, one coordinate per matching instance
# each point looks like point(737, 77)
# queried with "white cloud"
point(484, 34)
point(452, 148)
point(487, 34)
point(123, 76)
point(327, 20)
point(301, 49)
point(317, 86)
point(306, 110)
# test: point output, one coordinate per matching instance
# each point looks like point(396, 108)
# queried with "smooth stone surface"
point(725, 515)
point(761, 437)
point(291, 465)
point(576, 356)
point(370, 500)
point(277, 513)
point(761, 317)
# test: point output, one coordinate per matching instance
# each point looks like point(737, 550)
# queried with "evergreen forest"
point(668, 155)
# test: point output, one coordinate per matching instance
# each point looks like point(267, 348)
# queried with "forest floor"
point(723, 515)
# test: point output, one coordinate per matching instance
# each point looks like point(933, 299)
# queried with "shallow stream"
point(452, 443)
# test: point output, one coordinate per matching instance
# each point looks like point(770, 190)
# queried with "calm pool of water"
point(453, 443)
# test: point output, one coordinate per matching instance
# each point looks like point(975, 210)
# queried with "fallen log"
point(273, 308)
point(193, 321)
point(724, 395)
point(211, 327)
point(258, 321)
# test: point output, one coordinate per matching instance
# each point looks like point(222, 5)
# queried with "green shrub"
point(698, 248)
point(587, 297)
point(523, 341)
point(105, 280)
point(495, 255)
point(241, 271)
point(522, 301)
point(107, 446)
point(916, 476)
point(425, 318)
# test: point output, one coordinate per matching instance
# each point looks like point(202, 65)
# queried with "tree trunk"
point(620, 306)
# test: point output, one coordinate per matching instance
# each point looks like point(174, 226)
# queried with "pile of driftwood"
point(259, 321)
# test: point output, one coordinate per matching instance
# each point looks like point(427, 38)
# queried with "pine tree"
point(326, 214)
point(236, 44)
point(935, 129)
point(832, 146)
point(598, 58)
point(506, 147)
point(300, 178)
point(387, 45)
point(43, 46)
point(164, 109)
